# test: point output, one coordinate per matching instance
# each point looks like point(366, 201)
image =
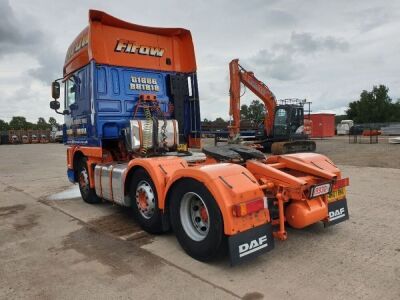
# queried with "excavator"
point(283, 127)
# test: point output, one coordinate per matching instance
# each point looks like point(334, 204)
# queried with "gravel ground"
point(54, 246)
point(382, 154)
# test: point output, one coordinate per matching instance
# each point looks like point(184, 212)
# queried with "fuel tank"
point(141, 133)
point(300, 214)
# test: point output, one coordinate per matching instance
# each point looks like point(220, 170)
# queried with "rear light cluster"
point(340, 183)
point(245, 208)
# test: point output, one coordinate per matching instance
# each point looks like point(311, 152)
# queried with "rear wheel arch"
point(129, 177)
point(170, 191)
point(146, 208)
point(198, 243)
point(176, 184)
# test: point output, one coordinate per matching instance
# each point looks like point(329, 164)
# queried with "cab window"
point(70, 92)
point(280, 117)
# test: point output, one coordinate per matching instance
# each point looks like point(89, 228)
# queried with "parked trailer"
point(138, 114)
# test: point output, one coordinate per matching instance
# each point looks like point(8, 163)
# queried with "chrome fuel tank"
point(109, 180)
point(140, 134)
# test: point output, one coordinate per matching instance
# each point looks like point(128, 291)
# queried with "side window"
point(81, 80)
point(70, 92)
point(280, 116)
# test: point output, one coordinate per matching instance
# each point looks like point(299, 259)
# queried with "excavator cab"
point(287, 134)
point(289, 122)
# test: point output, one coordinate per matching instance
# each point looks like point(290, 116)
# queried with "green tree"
point(374, 107)
point(244, 112)
point(3, 125)
point(53, 122)
point(42, 124)
point(18, 122)
point(219, 120)
point(255, 112)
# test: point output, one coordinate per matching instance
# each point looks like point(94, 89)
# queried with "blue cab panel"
point(106, 98)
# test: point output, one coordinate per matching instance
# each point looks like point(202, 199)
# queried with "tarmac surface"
point(53, 245)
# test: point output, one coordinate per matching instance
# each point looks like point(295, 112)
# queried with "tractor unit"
point(132, 127)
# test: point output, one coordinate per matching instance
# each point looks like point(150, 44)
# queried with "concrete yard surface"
point(55, 246)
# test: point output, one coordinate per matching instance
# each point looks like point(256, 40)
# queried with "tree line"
point(254, 113)
point(18, 122)
point(373, 106)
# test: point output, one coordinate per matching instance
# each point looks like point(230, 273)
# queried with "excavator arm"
point(239, 75)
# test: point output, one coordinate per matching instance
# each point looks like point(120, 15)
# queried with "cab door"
point(281, 122)
point(77, 103)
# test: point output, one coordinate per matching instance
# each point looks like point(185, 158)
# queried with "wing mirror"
point(55, 104)
point(55, 94)
point(55, 90)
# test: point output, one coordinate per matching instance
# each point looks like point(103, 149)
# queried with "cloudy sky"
point(325, 51)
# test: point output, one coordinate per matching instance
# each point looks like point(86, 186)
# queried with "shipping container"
point(323, 125)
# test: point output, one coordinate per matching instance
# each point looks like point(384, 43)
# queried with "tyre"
point(88, 194)
point(144, 202)
point(197, 221)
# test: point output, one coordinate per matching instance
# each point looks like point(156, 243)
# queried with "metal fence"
point(389, 128)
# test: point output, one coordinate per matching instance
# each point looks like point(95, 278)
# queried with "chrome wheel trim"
point(144, 190)
point(192, 214)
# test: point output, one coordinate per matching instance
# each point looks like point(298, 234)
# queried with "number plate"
point(337, 195)
point(320, 190)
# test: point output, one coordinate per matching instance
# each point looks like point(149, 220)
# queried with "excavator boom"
point(281, 140)
point(239, 75)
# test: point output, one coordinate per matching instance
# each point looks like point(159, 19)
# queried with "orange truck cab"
point(131, 109)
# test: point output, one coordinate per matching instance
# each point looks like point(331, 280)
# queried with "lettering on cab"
point(133, 48)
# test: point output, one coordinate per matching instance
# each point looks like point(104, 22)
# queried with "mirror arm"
point(60, 113)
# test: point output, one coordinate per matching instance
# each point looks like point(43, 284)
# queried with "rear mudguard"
point(229, 184)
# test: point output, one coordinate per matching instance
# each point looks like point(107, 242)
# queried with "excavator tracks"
point(292, 147)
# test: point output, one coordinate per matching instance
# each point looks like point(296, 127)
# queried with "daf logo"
point(253, 246)
point(336, 214)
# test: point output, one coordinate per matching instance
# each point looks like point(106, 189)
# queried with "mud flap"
point(250, 243)
point(338, 212)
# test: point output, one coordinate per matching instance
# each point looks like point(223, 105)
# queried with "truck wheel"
point(88, 194)
point(197, 220)
point(144, 202)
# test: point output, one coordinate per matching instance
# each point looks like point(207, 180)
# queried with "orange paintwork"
point(93, 154)
point(98, 42)
point(230, 184)
point(300, 214)
point(165, 171)
point(371, 132)
point(287, 178)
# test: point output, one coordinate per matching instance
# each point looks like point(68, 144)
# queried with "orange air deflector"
point(111, 41)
